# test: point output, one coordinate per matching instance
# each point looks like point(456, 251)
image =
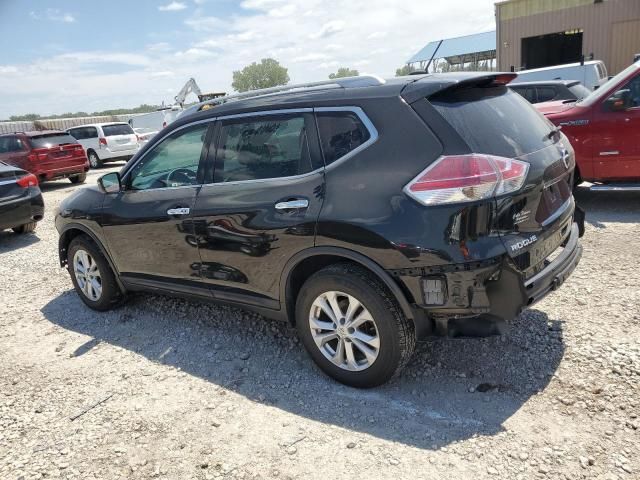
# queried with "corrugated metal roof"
point(453, 47)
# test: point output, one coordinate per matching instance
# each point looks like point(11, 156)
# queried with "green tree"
point(29, 117)
point(404, 70)
point(344, 72)
point(267, 73)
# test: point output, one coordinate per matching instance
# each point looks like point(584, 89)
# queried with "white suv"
point(106, 142)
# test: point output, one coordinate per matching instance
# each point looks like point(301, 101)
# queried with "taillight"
point(102, 141)
point(138, 138)
point(29, 180)
point(467, 178)
point(38, 154)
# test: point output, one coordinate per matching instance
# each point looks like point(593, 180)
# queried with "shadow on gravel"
point(602, 207)
point(10, 241)
point(451, 390)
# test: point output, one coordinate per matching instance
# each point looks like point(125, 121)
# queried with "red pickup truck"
point(604, 129)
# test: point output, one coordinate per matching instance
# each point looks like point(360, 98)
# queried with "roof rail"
point(345, 82)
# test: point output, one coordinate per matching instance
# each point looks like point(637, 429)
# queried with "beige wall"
point(611, 28)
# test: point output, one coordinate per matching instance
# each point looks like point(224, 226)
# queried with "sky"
point(84, 55)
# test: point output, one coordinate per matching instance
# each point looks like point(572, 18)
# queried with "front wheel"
point(352, 326)
point(92, 276)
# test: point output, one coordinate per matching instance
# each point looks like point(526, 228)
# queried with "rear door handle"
point(178, 211)
point(292, 204)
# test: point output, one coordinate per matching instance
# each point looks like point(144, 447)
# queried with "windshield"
point(602, 92)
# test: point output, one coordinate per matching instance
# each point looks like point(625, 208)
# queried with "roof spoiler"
point(453, 81)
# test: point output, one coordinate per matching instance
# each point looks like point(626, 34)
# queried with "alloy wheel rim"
point(344, 331)
point(87, 275)
point(93, 160)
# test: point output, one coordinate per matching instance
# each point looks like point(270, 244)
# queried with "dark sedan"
point(21, 204)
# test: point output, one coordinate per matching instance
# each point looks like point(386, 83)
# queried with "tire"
point(78, 178)
point(109, 295)
point(389, 329)
point(26, 228)
point(94, 160)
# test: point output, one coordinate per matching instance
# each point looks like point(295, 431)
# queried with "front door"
point(148, 225)
point(617, 139)
point(261, 206)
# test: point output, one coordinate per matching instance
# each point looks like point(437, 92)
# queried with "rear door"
point(493, 120)
point(148, 224)
point(120, 137)
point(261, 205)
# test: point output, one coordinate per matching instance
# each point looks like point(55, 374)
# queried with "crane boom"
point(190, 87)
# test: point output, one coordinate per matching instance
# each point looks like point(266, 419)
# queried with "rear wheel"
point(26, 228)
point(91, 275)
point(352, 326)
point(94, 160)
point(78, 178)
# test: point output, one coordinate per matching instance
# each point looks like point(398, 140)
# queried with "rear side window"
point(494, 120)
point(579, 90)
point(118, 129)
point(262, 148)
point(51, 140)
point(340, 133)
point(10, 145)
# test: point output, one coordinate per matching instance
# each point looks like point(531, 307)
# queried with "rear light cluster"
point(27, 181)
point(38, 154)
point(102, 141)
point(467, 178)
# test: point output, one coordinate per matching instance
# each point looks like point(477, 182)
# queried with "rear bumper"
point(108, 155)
point(493, 289)
point(51, 172)
point(23, 210)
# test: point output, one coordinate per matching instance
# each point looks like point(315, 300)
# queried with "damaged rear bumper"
point(496, 289)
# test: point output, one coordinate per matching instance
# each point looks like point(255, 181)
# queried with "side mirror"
point(619, 101)
point(110, 183)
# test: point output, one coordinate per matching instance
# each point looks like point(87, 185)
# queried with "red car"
point(48, 154)
point(604, 129)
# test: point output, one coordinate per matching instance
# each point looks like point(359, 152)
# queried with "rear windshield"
point(118, 129)
point(494, 120)
point(579, 90)
point(51, 140)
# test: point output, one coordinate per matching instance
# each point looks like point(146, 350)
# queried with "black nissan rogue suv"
point(366, 212)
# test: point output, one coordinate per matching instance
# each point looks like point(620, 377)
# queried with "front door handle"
point(178, 211)
point(292, 204)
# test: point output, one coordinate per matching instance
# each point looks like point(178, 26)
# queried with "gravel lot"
point(170, 389)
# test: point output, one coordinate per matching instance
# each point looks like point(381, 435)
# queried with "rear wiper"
point(554, 132)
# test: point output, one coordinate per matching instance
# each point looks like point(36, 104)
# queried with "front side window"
point(171, 163)
point(340, 133)
point(275, 146)
point(634, 89)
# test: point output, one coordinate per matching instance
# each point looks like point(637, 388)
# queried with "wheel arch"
point(307, 262)
point(72, 231)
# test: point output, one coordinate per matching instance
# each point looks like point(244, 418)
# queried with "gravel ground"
point(170, 389)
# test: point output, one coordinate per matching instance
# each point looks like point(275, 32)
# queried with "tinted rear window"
point(494, 120)
point(340, 133)
point(51, 140)
point(111, 130)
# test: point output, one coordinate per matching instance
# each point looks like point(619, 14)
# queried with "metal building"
point(541, 33)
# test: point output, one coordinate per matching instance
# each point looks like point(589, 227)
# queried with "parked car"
point(604, 129)
point(545, 91)
point(144, 135)
point(48, 154)
point(106, 142)
point(366, 214)
point(591, 74)
point(21, 204)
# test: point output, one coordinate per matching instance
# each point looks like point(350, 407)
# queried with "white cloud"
point(54, 15)
point(318, 37)
point(172, 7)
